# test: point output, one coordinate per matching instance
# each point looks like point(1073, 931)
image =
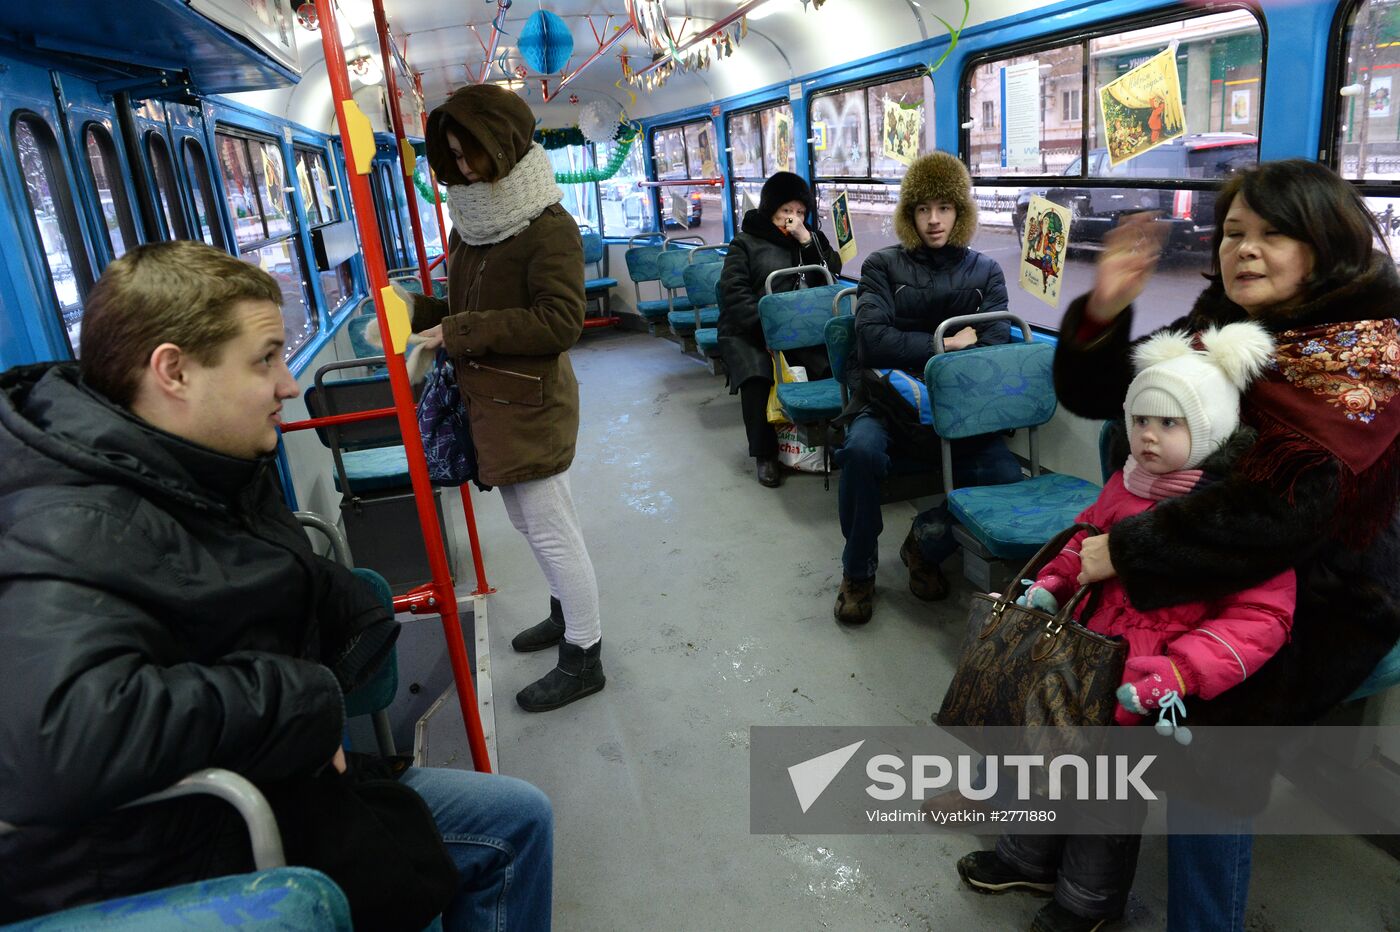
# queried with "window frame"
point(756, 110)
point(1329, 151)
point(295, 234)
point(196, 163)
point(863, 85)
point(66, 210)
point(1084, 36)
point(319, 154)
point(171, 210)
point(121, 198)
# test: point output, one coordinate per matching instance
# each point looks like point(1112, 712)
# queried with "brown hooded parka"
point(513, 308)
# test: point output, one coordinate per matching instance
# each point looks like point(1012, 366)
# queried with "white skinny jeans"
point(543, 510)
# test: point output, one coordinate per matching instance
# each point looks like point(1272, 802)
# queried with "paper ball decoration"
point(546, 42)
point(598, 121)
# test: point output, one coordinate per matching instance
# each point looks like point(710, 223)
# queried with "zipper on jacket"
point(515, 375)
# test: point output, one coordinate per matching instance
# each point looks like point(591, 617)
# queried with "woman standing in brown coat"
point(514, 307)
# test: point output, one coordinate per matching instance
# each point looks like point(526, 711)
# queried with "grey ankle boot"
point(545, 634)
point(579, 674)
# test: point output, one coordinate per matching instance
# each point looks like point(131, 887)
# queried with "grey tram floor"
point(716, 600)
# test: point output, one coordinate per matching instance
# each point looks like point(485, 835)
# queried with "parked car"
point(1095, 211)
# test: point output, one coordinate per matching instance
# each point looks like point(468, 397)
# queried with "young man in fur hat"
point(906, 291)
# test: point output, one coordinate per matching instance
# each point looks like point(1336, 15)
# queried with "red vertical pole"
point(406, 156)
point(358, 140)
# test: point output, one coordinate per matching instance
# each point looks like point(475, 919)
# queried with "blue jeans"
point(499, 832)
point(1207, 875)
point(865, 461)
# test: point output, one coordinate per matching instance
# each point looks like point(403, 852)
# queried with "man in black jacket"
point(161, 611)
point(906, 291)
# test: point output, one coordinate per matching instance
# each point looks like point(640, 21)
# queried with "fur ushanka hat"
point(936, 175)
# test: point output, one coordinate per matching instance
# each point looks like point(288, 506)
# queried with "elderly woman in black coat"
point(780, 234)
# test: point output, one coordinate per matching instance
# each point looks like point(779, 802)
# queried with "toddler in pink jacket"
point(1183, 404)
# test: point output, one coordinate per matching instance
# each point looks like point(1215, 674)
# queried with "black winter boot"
point(579, 674)
point(545, 634)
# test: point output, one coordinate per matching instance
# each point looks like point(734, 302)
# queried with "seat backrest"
point(670, 268)
point(642, 263)
point(794, 319)
point(359, 343)
point(1113, 447)
point(592, 247)
point(702, 282)
point(991, 388)
point(408, 283)
point(344, 396)
point(840, 333)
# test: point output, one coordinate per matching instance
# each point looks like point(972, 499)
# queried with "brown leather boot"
point(926, 580)
point(856, 600)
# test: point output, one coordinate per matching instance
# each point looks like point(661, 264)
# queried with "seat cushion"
point(707, 339)
point(374, 470)
point(280, 898)
point(1014, 521)
point(684, 321)
point(808, 402)
point(653, 310)
point(599, 284)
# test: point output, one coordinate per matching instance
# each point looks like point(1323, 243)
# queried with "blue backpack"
point(447, 434)
point(903, 402)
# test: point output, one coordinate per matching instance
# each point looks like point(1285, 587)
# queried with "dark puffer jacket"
point(160, 612)
point(1236, 533)
point(759, 250)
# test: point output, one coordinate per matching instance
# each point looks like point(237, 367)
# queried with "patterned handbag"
point(1022, 666)
point(442, 420)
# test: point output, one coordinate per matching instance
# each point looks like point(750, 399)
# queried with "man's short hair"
point(180, 292)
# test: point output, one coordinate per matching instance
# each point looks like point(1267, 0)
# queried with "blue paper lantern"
point(546, 42)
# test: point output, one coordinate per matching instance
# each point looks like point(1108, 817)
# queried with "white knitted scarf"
point(490, 211)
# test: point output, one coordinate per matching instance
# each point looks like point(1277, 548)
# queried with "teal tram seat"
point(371, 473)
point(642, 268)
point(987, 390)
point(598, 288)
point(273, 897)
point(793, 320)
point(839, 334)
point(702, 284)
point(670, 271)
point(410, 283)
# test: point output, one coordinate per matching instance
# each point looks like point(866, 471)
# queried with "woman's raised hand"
point(798, 230)
point(1126, 265)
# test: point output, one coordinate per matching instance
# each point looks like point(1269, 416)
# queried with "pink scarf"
point(1156, 488)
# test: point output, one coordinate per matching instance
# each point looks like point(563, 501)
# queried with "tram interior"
point(716, 592)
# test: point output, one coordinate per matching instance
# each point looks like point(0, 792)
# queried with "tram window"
point(760, 143)
point(579, 199)
point(682, 153)
point(1368, 125)
point(386, 209)
point(1059, 71)
point(427, 209)
point(858, 153)
point(55, 220)
point(206, 216)
point(626, 207)
point(1219, 60)
point(313, 178)
point(265, 228)
point(111, 190)
point(167, 190)
point(238, 185)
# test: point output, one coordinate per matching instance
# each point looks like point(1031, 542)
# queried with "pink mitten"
point(1146, 682)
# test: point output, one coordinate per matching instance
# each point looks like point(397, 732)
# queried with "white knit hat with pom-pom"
point(1202, 387)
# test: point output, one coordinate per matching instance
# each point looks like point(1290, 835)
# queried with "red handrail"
point(358, 144)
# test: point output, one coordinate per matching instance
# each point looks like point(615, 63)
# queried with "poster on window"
point(1239, 108)
point(1044, 244)
point(1142, 109)
point(841, 223)
point(1378, 102)
point(903, 125)
point(1020, 109)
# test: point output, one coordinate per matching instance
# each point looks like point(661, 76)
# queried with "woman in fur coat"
point(1294, 249)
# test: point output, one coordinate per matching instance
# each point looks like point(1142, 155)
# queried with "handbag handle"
point(1044, 555)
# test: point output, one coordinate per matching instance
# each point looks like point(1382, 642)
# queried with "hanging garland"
point(549, 138)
